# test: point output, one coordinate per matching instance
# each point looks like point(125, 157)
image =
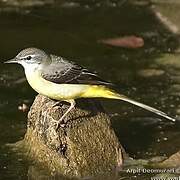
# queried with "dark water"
point(73, 32)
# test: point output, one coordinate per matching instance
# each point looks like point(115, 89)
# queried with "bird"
point(63, 80)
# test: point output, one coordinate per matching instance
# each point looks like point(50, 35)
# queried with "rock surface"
point(84, 146)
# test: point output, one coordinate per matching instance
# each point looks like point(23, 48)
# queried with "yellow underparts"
point(67, 91)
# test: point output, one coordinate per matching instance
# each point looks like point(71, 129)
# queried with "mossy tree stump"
point(85, 146)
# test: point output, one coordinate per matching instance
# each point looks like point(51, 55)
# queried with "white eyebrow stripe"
point(33, 55)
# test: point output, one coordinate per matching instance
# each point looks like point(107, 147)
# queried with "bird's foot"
point(58, 123)
point(58, 103)
point(62, 121)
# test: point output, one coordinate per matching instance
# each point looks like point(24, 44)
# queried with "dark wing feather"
point(87, 77)
point(63, 71)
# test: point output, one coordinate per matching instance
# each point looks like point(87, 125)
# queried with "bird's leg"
point(46, 113)
point(72, 105)
point(57, 103)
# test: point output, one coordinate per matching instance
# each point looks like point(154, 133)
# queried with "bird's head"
point(31, 58)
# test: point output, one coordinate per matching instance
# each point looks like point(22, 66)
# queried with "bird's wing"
point(63, 71)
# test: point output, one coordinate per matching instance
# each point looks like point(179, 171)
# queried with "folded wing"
point(64, 72)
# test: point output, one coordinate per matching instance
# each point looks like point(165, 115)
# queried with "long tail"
point(101, 91)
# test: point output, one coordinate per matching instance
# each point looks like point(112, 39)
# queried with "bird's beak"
point(14, 60)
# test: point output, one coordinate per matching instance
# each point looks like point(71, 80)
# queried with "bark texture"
point(84, 146)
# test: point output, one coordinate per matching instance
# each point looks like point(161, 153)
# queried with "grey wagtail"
point(62, 80)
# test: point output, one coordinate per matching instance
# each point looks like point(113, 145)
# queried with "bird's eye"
point(28, 57)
